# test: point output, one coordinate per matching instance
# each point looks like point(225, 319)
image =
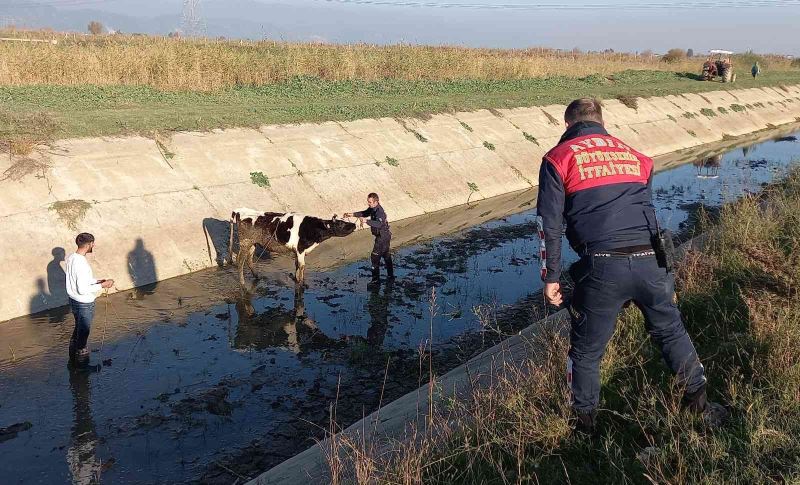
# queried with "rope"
point(105, 326)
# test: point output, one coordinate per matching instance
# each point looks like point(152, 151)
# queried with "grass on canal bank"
point(41, 113)
point(740, 303)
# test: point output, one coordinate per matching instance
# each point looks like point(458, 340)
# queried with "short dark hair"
point(374, 196)
point(83, 239)
point(584, 109)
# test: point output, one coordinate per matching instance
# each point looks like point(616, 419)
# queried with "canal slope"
point(160, 205)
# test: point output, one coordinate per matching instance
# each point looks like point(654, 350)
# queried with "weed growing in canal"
point(691, 133)
point(738, 108)
point(551, 119)
point(168, 155)
point(672, 118)
point(708, 112)
point(530, 138)
point(688, 115)
point(473, 187)
point(722, 110)
point(489, 146)
point(71, 212)
point(392, 162)
point(466, 126)
point(259, 179)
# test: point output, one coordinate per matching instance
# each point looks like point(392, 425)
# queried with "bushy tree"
point(95, 27)
point(674, 55)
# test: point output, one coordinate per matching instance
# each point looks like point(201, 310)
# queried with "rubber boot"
point(585, 422)
point(389, 268)
point(714, 414)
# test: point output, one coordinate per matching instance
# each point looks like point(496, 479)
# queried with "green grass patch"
point(392, 162)
point(708, 112)
point(489, 146)
point(258, 178)
point(466, 126)
point(75, 111)
point(689, 115)
point(722, 110)
point(739, 108)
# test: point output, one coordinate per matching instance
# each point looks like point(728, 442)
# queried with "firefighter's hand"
point(552, 291)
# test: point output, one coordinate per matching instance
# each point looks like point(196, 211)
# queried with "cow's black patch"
point(312, 231)
point(284, 230)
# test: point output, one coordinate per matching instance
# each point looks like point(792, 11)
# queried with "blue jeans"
point(609, 282)
point(84, 314)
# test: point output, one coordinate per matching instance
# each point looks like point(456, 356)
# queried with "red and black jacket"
point(601, 188)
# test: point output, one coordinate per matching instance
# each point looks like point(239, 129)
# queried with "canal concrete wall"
point(159, 206)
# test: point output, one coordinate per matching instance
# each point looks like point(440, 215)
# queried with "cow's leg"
point(243, 256)
point(230, 244)
point(300, 268)
point(250, 264)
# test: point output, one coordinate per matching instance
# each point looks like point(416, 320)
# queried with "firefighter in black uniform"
point(601, 188)
point(375, 217)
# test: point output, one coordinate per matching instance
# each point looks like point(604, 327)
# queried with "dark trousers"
point(381, 250)
point(84, 313)
point(597, 300)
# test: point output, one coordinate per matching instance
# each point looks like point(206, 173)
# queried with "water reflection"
point(276, 326)
point(378, 308)
point(84, 465)
point(708, 168)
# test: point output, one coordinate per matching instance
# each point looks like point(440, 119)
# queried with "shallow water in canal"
point(201, 382)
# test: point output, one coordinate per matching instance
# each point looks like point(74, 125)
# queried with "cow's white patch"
point(310, 248)
point(294, 232)
point(247, 213)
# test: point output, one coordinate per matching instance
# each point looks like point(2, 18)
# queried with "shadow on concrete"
point(218, 234)
point(218, 238)
point(142, 270)
point(51, 295)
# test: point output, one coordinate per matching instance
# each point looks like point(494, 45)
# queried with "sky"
point(623, 25)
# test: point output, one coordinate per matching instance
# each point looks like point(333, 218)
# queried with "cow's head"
point(338, 227)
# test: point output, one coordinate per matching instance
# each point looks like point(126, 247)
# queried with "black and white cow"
point(277, 231)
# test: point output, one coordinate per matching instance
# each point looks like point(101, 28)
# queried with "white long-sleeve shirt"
point(81, 285)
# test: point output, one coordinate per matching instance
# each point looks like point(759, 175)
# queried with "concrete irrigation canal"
point(200, 382)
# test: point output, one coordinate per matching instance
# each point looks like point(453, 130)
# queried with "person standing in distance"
point(601, 188)
point(379, 225)
point(82, 289)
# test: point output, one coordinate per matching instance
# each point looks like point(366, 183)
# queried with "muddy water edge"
point(198, 381)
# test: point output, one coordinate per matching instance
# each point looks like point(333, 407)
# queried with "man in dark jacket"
point(601, 188)
point(379, 225)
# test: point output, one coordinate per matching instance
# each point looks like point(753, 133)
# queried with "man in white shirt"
point(82, 289)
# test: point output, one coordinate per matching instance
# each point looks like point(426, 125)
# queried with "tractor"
point(718, 65)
